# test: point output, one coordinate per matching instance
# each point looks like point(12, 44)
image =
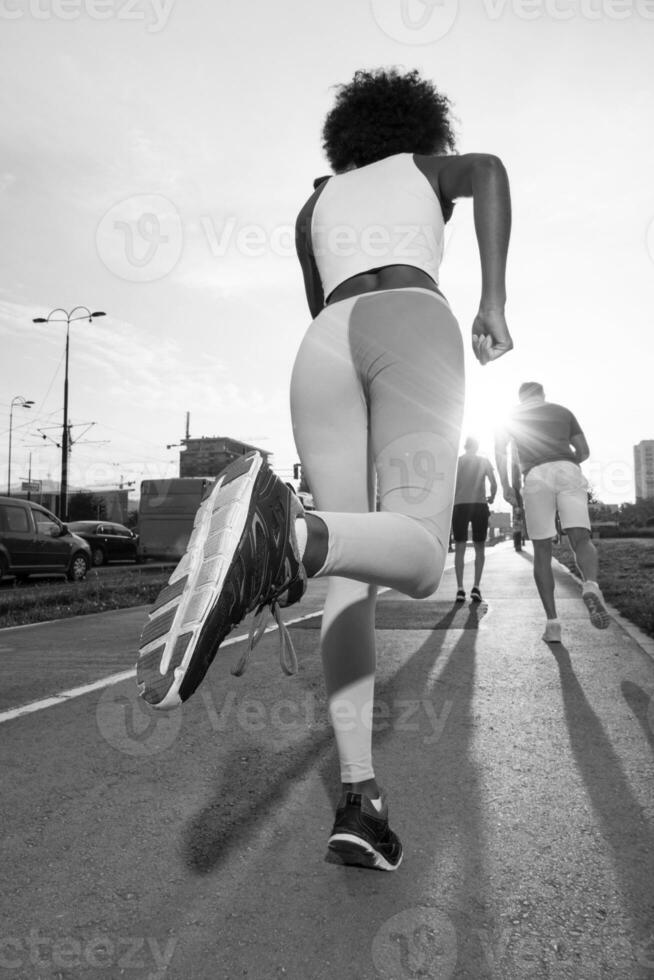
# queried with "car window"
point(122, 532)
point(44, 523)
point(16, 518)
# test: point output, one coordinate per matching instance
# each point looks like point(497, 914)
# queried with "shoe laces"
point(259, 626)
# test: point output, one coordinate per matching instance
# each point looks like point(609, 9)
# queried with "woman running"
point(377, 398)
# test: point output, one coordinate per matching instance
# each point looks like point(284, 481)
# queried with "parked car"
point(107, 541)
point(34, 541)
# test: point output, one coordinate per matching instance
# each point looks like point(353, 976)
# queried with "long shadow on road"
point(423, 742)
point(622, 821)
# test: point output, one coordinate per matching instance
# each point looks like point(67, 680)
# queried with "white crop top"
point(385, 213)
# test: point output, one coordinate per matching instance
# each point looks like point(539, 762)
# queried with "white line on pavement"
point(76, 692)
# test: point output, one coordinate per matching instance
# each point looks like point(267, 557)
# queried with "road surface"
point(192, 844)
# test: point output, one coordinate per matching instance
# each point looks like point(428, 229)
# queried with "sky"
point(155, 154)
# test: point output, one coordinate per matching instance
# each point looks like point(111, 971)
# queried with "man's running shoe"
point(460, 595)
point(242, 555)
point(594, 601)
point(552, 632)
point(361, 834)
point(475, 594)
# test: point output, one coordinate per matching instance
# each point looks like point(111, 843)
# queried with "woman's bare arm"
point(483, 177)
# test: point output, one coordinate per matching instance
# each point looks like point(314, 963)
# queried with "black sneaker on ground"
point(475, 594)
point(460, 595)
point(242, 555)
point(361, 834)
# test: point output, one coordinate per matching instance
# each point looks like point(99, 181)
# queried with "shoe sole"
point(550, 639)
point(176, 648)
point(597, 611)
point(350, 849)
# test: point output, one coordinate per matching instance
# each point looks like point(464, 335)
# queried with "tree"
point(86, 506)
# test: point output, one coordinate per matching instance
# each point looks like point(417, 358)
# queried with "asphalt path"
point(191, 844)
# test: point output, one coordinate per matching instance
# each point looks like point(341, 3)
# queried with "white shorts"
point(550, 487)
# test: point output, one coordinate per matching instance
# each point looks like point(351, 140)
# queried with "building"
point(209, 456)
point(644, 469)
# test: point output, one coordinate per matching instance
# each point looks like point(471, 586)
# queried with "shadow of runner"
point(642, 706)
point(436, 807)
point(621, 817)
point(429, 712)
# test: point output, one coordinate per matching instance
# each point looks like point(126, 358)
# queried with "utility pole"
point(67, 318)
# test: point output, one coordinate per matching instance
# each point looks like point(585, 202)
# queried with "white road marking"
point(77, 692)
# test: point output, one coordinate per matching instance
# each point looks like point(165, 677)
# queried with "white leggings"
point(377, 389)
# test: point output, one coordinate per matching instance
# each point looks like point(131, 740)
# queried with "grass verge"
point(626, 577)
point(119, 587)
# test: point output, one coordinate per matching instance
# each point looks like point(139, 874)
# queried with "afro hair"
point(382, 112)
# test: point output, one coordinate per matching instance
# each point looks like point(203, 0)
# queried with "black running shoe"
point(242, 555)
point(475, 594)
point(361, 834)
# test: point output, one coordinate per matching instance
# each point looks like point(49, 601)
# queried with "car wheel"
point(98, 557)
point(78, 567)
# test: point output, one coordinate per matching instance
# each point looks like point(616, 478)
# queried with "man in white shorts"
point(551, 445)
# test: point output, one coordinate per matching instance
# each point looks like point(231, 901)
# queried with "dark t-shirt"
point(541, 433)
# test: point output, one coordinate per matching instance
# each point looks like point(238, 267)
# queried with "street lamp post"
point(22, 403)
point(67, 318)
